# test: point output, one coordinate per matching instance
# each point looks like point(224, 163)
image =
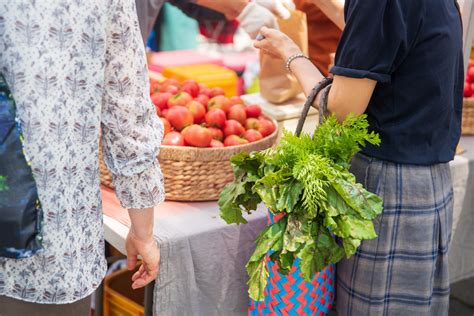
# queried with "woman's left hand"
point(276, 44)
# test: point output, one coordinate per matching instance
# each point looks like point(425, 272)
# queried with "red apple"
point(470, 74)
point(467, 90)
point(252, 135)
point(234, 140)
point(236, 112)
point(233, 127)
point(170, 82)
point(252, 123)
point(166, 125)
point(218, 102)
point(182, 98)
point(198, 110)
point(173, 139)
point(266, 127)
point(180, 117)
point(203, 99)
point(164, 112)
point(205, 90)
point(216, 133)
point(197, 136)
point(216, 91)
point(171, 89)
point(236, 100)
point(191, 87)
point(253, 110)
point(216, 144)
point(160, 99)
point(215, 118)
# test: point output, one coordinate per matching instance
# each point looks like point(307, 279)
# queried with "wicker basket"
point(468, 116)
point(196, 174)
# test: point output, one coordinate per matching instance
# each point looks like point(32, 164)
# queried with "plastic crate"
point(119, 298)
point(159, 61)
point(211, 75)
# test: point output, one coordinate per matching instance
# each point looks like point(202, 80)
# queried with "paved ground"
point(462, 298)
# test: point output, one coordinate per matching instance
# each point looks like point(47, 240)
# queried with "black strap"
point(309, 102)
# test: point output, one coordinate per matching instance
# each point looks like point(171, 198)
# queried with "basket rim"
point(186, 153)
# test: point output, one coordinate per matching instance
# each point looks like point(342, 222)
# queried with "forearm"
point(333, 9)
point(306, 73)
point(231, 9)
point(141, 222)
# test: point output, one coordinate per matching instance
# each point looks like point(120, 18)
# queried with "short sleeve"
point(376, 38)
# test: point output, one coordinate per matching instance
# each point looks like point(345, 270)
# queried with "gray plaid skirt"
point(405, 270)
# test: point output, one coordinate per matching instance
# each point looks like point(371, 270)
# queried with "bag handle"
point(310, 100)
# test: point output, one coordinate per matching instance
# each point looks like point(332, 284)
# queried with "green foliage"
point(3, 183)
point(308, 179)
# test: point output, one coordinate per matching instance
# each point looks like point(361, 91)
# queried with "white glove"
point(280, 8)
point(253, 17)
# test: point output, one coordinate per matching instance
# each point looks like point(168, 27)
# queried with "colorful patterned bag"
point(20, 210)
point(293, 296)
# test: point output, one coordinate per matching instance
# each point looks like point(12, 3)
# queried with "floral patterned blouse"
point(75, 68)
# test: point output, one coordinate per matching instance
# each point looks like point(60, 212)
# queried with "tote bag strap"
point(310, 100)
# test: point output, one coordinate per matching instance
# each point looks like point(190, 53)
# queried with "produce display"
point(307, 182)
point(469, 81)
point(198, 116)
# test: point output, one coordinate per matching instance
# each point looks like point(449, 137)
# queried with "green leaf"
point(258, 275)
point(290, 192)
point(230, 211)
point(296, 234)
point(367, 204)
point(350, 246)
point(3, 183)
point(267, 239)
point(353, 227)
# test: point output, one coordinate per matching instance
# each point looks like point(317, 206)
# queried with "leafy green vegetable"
point(3, 183)
point(307, 179)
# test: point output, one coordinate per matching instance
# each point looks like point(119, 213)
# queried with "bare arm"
point(230, 8)
point(347, 95)
point(333, 9)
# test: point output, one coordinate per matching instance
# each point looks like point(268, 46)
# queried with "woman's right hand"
point(147, 249)
point(276, 44)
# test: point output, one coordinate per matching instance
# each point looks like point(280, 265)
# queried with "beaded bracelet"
point(293, 57)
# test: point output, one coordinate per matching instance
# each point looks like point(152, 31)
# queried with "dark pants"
point(13, 307)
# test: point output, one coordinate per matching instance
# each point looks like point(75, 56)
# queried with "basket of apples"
point(468, 103)
point(203, 130)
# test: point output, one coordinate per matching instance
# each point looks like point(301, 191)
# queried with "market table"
point(203, 258)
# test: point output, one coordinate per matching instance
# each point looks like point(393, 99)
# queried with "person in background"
point(325, 20)
point(400, 62)
point(252, 15)
point(77, 69)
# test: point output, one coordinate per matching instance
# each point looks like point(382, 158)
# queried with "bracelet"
point(293, 57)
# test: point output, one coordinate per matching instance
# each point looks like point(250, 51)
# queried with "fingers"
point(144, 276)
point(131, 261)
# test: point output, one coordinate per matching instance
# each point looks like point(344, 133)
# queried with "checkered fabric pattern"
point(405, 270)
point(291, 295)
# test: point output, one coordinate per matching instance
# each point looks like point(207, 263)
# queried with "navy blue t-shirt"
point(413, 49)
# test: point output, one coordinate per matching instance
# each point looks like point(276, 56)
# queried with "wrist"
point(291, 52)
point(141, 233)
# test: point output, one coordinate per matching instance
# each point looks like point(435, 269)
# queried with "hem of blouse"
point(160, 200)
point(92, 290)
point(360, 73)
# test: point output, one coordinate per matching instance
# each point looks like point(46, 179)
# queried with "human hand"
point(146, 247)
point(280, 8)
point(276, 44)
point(254, 16)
